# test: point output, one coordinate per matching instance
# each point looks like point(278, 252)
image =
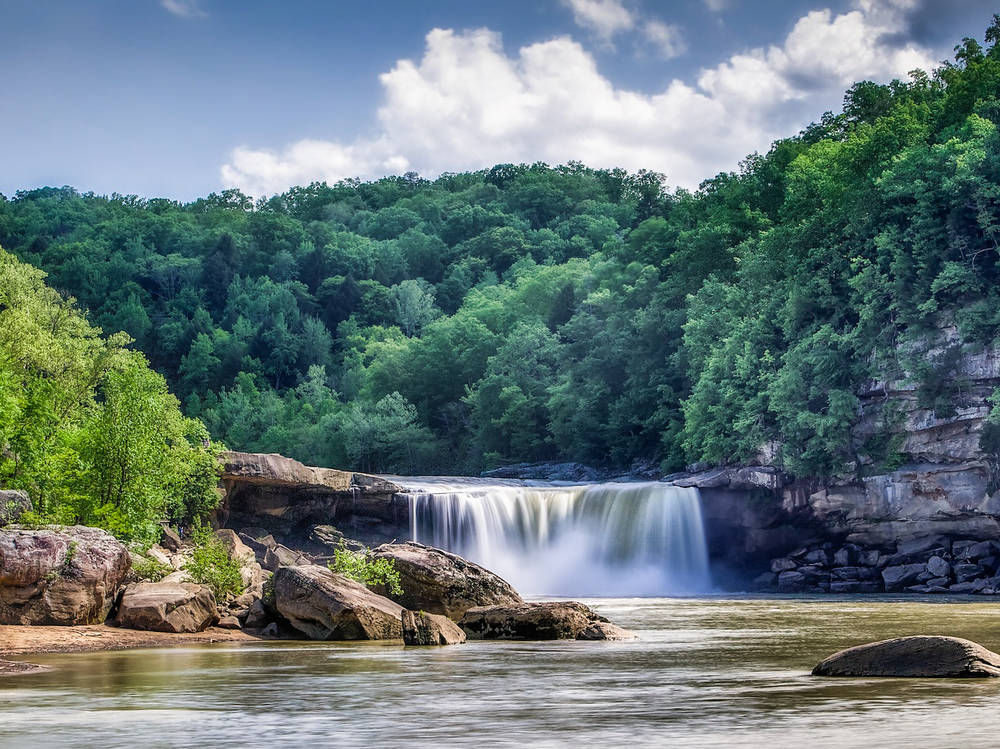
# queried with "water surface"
point(710, 672)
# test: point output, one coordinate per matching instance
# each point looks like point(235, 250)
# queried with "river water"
point(707, 672)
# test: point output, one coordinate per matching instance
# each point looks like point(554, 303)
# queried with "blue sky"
point(179, 98)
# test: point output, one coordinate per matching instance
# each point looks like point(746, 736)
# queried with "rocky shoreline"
point(70, 589)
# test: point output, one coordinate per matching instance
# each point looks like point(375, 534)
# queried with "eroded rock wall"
point(918, 474)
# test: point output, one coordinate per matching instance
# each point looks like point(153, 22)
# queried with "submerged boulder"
point(439, 582)
point(919, 656)
point(327, 606)
point(421, 628)
point(167, 607)
point(606, 631)
point(549, 620)
point(59, 575)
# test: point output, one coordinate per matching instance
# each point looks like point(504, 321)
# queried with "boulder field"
point(933, 564)
point(78, 575)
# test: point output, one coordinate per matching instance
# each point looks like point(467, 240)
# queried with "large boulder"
point(421, 628)
point(281, 556)
point(550, 620)
point(13, 504)
point(328, 606)
point(167, 607)
point(920, 656)
point(900, 576)
point(439, 582)
point(59, 575)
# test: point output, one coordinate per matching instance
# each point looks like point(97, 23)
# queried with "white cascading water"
point(600, 539)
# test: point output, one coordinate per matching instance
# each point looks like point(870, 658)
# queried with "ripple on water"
point(707, 672)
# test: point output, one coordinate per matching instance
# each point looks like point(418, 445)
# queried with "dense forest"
point(529, 312)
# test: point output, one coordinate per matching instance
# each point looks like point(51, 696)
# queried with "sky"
point(181, 98)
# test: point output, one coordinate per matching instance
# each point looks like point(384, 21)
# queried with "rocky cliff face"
point(919, 473)
point(288, 498)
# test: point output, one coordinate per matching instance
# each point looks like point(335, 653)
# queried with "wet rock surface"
point(920, 656)
point(550, 620)
point(421, 628)
point(929, 565)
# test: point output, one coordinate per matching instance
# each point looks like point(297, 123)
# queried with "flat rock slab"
point(927, 656)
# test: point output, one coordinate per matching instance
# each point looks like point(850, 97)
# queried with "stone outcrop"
point(13, 504)
point(59, 575)
point(421, 628)
point(921, 656)
point(288, 498)
point(746, 478)
point(167, 607)
point(548, 471)
point(327, 606)
point(550, 620)
point(439, 582)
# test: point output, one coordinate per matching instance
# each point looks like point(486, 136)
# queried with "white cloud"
point(716, 6)
point(604, 17)
point(183, 8)
point(468, 104)
point(666, 37)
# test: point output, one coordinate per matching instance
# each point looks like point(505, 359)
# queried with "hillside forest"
point(519, 313)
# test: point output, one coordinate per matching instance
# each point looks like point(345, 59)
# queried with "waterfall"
point(600, 539)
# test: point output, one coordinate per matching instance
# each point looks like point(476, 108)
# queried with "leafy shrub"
point(211, 565)
point(148, 569)
point(366, 569)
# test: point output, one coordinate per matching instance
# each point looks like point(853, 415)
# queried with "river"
point(707, 672)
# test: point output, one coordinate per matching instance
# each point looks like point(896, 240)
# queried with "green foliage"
point(86, 427)
point(147, 569)
point(366, 569)
point(529, 312)
point(211, 565)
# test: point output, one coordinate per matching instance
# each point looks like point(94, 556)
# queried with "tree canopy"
point(86, 427)
point(530, 312)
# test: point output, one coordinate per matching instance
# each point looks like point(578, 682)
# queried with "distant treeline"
point(534, 312)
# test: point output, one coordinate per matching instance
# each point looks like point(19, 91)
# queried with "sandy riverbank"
point(24, 640)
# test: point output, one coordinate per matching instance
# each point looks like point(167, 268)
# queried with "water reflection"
point(707, 673)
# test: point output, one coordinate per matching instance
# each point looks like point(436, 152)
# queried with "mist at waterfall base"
point(614, 539)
